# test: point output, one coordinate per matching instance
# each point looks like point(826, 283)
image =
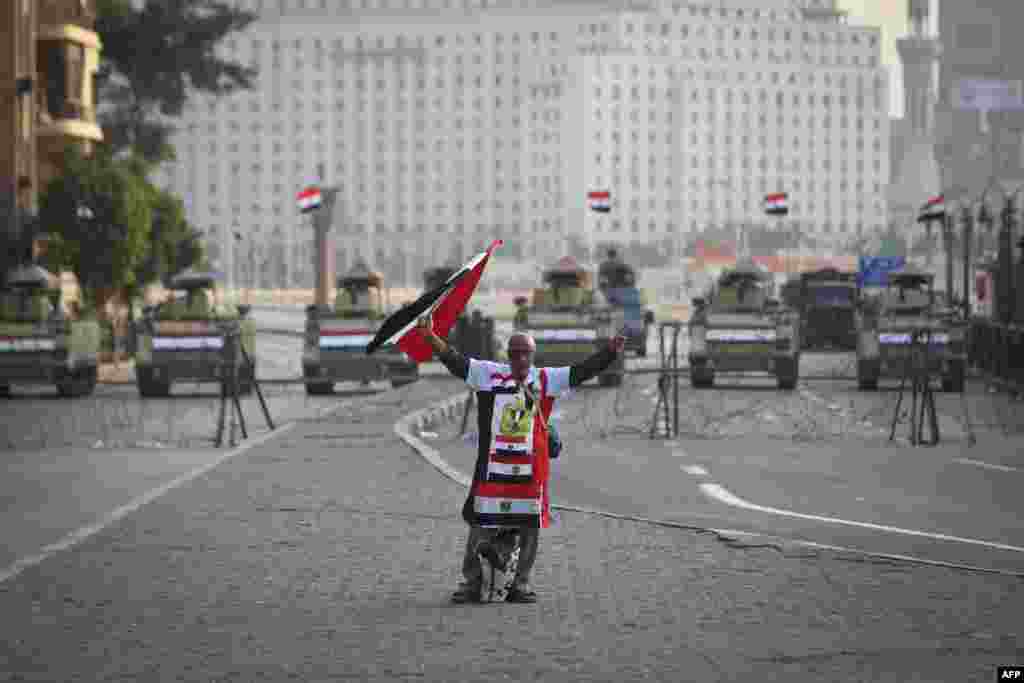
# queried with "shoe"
point(521, 595)
point(467, 594)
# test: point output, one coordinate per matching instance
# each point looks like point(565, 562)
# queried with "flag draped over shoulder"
point(446, 301)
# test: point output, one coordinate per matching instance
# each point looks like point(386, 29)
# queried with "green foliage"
point(153, 57)
point(892, 243)
point(103, 249)
point(174, 245)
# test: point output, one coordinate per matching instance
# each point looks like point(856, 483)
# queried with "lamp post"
point(1005, 289)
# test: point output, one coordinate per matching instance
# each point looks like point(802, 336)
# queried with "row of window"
point(755, 34)
point(663, 29)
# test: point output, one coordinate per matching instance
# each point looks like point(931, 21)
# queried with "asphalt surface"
point(811, 465)
point(329, 552)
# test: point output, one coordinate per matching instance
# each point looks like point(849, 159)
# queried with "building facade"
point(447, 124)
point(980, 42)
point(49, 52)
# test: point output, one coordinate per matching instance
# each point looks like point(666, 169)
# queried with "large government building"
point(445, 124)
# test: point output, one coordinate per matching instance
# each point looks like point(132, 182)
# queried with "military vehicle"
point(887, 321)
point(617, 282)
point(570, 321)
point(182, 339)
point(39, 342)
point(827, 302)
point(336, 338)
point(739, 327)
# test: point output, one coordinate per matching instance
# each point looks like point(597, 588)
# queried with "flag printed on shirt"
point(600, 201)
point(933, 209)
point(445, 302)
point(309, 199)
point(776, 204)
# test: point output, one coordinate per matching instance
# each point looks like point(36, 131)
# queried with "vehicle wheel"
point(788, 374)
point(150, 387)
point(702, 381)
point(319, 388)
point(5, 390)
point(398, 383)
point(867, 383)
point(82, 383)
point(954, 381)
point(787, 382)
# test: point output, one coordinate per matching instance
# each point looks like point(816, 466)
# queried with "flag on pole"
point(933, 209)
point(600, 201)
point(446, 302)
point(776, 204)
point(309, 199)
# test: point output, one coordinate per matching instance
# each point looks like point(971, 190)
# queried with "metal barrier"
point(997, 350)
point(233, 357)
point(668, 380)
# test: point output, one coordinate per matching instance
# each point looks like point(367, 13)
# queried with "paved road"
point(329, 554)
point(810, 465)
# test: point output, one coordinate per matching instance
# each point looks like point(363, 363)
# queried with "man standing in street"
point(510, 481)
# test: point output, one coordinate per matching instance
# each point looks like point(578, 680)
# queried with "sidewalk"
point(331, 551)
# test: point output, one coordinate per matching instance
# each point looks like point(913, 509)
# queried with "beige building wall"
point(49, 53)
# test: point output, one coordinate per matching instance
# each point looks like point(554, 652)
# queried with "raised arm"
point(456, 363)
point(592, 366)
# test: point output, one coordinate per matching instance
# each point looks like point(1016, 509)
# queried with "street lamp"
point(1005, 285)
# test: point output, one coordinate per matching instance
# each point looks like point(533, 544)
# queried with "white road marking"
point(77, 536)
point(724, 496)
point(988, 465)
point(695, 470)
point(402, 429)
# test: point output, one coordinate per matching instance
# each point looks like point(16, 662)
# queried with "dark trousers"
point(529, 539)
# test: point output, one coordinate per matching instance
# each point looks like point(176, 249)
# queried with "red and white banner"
point(933, 209)
point(776, 204)
point(309, 199)
point(600, 201)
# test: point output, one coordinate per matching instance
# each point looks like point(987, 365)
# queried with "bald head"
point(521, 342)
point(521, 348)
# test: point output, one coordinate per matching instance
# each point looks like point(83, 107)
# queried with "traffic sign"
point(985, 94)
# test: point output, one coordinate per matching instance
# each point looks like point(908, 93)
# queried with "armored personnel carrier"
point(827, 302)
point(739, 327)
point(40, 343)
point(336, 338)
point(570, 320)
point(182, 339)
point(887, 322)
point(617, 282)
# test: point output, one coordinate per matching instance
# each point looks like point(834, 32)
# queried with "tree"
point(99, 215)
point(174, 244)
point(892, 243)
point(141, 87)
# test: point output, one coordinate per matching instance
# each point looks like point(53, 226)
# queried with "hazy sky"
point(891, 17)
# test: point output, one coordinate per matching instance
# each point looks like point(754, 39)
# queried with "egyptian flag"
point(600, 202)
point(445, 302)
point(776, 204)
point(933, 209)
point(309, 199)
